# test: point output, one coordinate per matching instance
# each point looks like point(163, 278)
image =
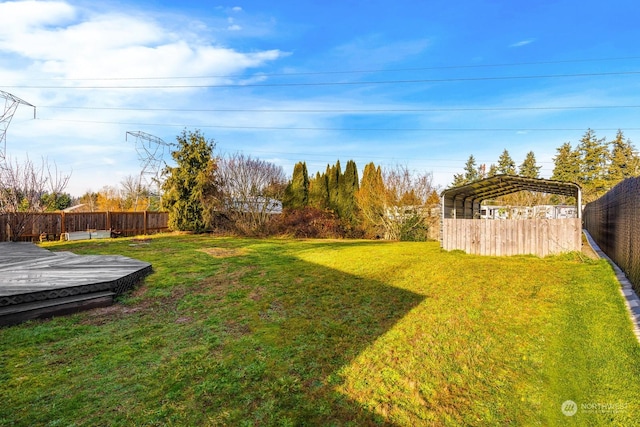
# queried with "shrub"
point(308, 222)
point(414, 229)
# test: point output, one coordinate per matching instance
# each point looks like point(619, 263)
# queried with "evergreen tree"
point(566, 164)
point(296, 194)
point(529, 168)
point(371, 199)
point(55, 202)
point(348, 186)
point(506, 165)
point(471, 170)
point(433, 199)
point(191, 187)
point(493, 170)
point(594, 165)
point(471, 173)
point(566, 168)
point(319, 191)
point(458, 180)
point(334, 175)
point(624, 162)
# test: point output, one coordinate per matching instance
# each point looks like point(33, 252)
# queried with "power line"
point(342, 110)
point(367, 156)
point(346, 129)
point(377, 82)
point(313, 73)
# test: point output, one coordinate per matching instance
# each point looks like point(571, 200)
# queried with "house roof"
point(466, 199)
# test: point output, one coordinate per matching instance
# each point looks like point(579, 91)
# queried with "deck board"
point(29, 273)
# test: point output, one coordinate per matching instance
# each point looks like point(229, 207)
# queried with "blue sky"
point(416, 83)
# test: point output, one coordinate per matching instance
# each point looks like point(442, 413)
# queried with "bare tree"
point(252, 191)
point(396, 201)
point(111, 198)
point(135, 193)
point(22, 186)
point(89, 200)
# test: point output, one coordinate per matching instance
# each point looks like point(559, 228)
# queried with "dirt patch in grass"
point(143, 305)
point(223, 252)
point(236, 329)
point(102, 315)
point(223, 282)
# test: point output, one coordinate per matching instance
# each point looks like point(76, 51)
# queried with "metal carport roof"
point(464, 202)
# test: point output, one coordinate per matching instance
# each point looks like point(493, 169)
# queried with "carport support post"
point(455, 206)
point(579, 202)
point(464, 208)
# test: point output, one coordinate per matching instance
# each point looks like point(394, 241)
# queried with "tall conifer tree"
point(297, 192)
point(594, 165)
point(319, 191)
point(506, 165)
point(471, 173)
point(191, 186)
point(348, 187)
point(334, 175)
point(566, 164)
point(624, 162)
point(529, 168)
point(371, 199)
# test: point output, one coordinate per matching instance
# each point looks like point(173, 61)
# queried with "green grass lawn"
point(231, 331)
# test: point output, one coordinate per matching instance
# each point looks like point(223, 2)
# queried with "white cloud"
point(54, 43)
point(232, 25)
point(236, 9)
point(522, 43)
point(111, 45)
point(24, 15)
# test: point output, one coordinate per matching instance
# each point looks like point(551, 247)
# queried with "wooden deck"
point(36, 283)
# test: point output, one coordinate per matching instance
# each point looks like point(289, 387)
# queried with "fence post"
point(108, 221)
point(144, 226)
point(63, 225)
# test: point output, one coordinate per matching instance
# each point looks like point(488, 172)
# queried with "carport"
point(463, 229)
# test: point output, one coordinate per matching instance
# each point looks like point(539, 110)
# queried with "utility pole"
point(11, 103)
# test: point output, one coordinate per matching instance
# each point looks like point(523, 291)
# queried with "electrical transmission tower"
point(151, 151)
point(10, 105)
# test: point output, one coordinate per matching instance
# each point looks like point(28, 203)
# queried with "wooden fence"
point(539, 237)
point(54, 224)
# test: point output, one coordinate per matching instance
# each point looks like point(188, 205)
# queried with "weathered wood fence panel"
point(539, 237)
point(54, 224)
point(81, 221)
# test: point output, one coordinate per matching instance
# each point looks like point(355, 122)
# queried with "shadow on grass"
point(279, 338)
point(256, 339)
